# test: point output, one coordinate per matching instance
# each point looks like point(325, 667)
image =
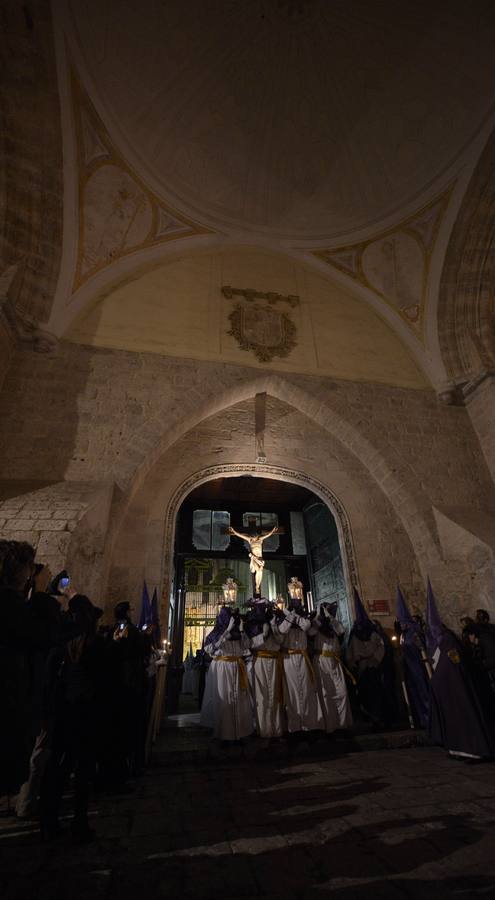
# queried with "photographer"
point(17, 639)
point(122, 751)
point(45, 612)
point(74, 674)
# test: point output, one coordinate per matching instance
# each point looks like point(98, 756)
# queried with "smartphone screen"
point(64, 582)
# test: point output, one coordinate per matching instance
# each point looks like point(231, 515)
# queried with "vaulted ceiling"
point(340, 136)
point(303, 120)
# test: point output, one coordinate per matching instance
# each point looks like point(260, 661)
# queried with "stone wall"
point(31, 188)
point(91, 416)
point(66, 523)
point(293, 444)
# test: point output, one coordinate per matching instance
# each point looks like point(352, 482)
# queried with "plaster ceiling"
point(303, 120)
point(178, 308)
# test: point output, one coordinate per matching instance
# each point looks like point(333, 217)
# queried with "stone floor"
point(374, 824)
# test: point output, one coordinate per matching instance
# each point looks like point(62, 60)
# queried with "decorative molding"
point(250, 295)
point(395, 263)
point(469, 388)
point(280, 474)
point(118, 213)
point(265, 331)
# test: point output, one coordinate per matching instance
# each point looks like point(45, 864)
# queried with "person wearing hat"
point(327, 633)
point(267, 671)
point(227, 703)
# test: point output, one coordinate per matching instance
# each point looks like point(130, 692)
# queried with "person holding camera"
point(47, 606)
point(123, 732)
point(18, 638)
point(75, 671)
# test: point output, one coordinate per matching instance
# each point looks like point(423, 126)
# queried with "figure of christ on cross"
point(256, 561)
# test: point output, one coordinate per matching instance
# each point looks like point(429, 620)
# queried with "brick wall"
point(67, 525)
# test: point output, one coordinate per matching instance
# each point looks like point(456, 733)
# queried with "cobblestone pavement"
point(382, 824)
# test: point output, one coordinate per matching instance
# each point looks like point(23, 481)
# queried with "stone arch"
point(391, 474)
point(276, 473)
point(139, 527)
point(465, 308)
point(142, 545)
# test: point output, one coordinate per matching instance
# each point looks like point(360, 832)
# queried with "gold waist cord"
point(293, 652)
point(330, 654)
point(279, 685)
point(243, 675)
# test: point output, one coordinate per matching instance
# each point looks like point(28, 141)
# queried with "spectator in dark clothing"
point(17, 638)
point(482, 617)
point(122, 751)
point(74, 679)
point(45, 612)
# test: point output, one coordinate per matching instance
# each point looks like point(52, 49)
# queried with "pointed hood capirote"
point(402, 612)
point(363, 626)
point(145, 617)
point(434, 625)
point(221, 623)
point(256, 618)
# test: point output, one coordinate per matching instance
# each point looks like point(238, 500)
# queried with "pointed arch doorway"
point(315, 544)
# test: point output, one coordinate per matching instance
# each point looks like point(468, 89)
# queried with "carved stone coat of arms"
point(264, 330)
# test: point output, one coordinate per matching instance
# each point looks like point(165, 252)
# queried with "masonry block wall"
point(100, 416)
point(383, 551)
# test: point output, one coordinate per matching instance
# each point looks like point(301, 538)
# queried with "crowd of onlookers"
point(75, 695)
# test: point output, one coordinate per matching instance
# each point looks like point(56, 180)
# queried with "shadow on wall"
point(46, 425)
point(50, 493)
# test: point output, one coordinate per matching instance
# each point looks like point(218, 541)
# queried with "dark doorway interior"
point(205, 556)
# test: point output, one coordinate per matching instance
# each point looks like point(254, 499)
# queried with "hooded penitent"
point(325, 624)
point(416, 678)
point(297, 607)
point(434, 625)
point(221, 624)
point(256, 618)
point(145, 614)
point(363, 626)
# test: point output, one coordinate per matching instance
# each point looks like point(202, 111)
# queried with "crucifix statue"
point(256, 561)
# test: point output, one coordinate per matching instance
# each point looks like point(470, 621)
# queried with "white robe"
point(302, 704)
point(330, 679)
point(227, 706)
point(269, 711)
